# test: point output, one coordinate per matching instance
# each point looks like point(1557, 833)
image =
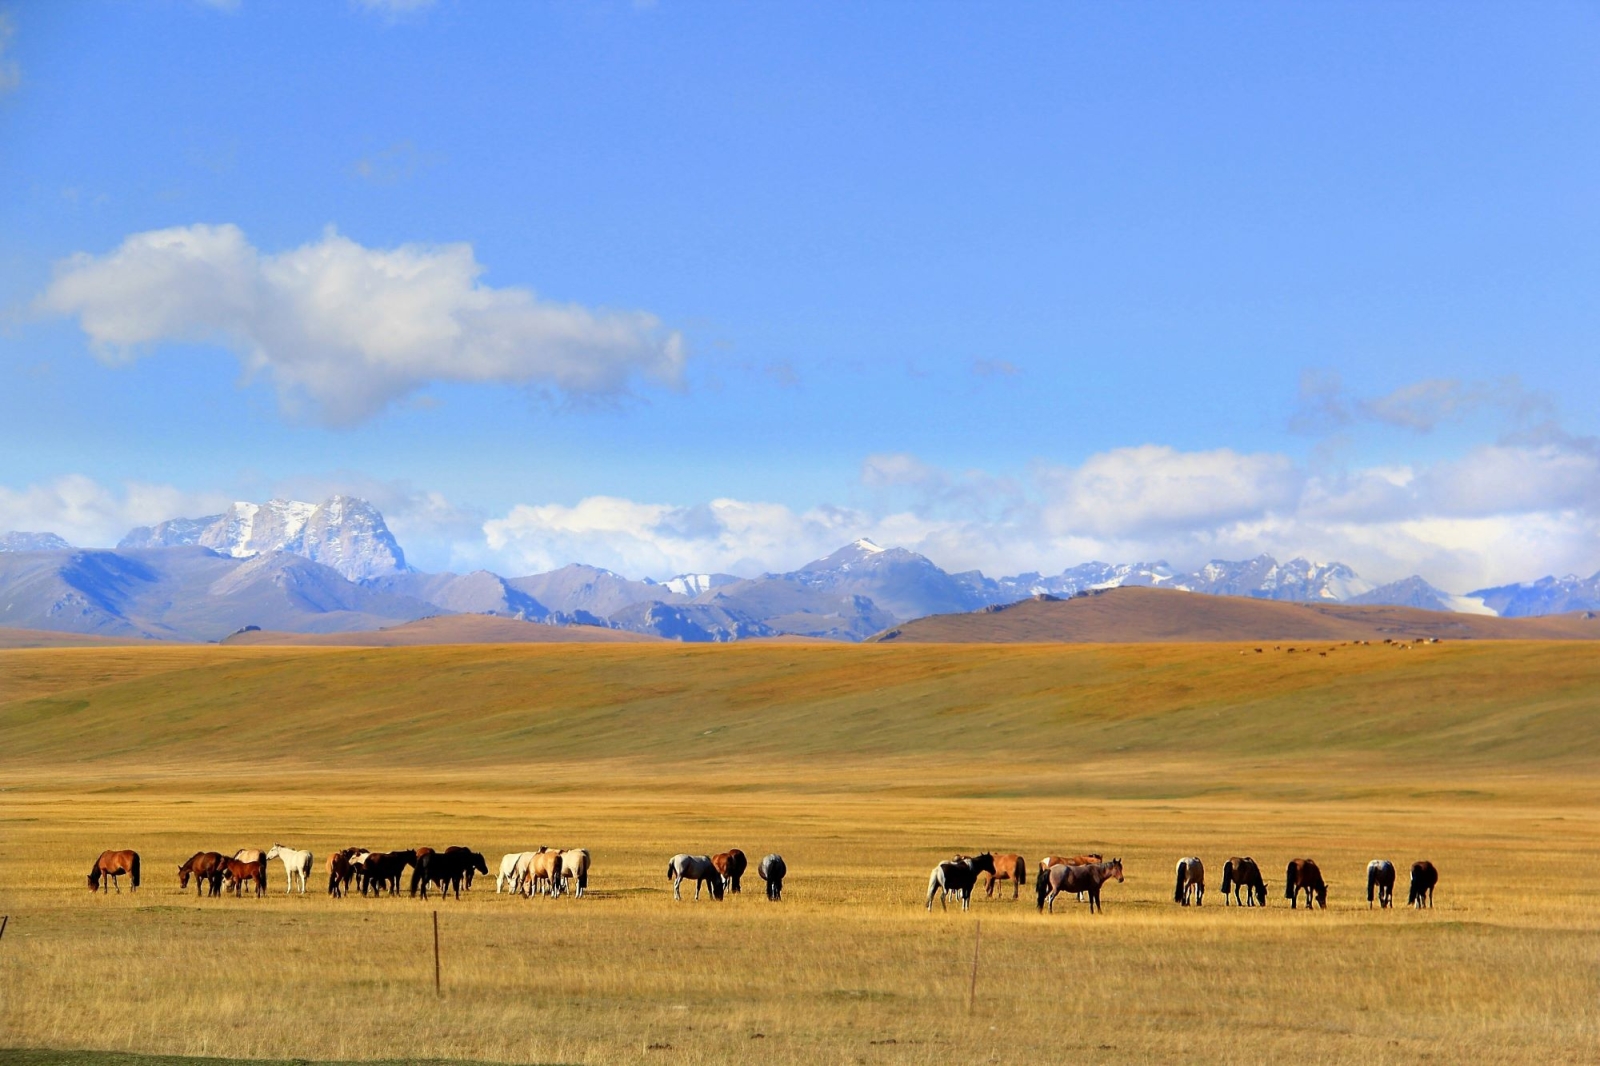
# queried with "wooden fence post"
point(977, 941)
point(438, 988)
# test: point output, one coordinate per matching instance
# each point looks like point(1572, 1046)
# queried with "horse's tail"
point(1041, 886)
point(1227, 877)
point(669, 869)
point(1177, 891)
point(1289, 884)
point(134, 871)
point(1372, 882)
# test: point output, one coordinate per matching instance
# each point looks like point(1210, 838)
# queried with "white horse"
point(575, 867)
point(513, 868)
point(295, 864)
point(699, 867)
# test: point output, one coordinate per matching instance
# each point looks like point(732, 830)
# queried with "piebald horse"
point(1380, 883)
point(296, 864)
point(112, 865)
point(958, 876)
point(1423, 878)
point(1243, 873)
point(699, 868)
point(1087, 878)
point(1191, 882)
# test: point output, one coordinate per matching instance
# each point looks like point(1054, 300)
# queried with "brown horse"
point(731, 864)
point(1087, 878)
point(206, 869)
point(1013, 868)
point(1243, 874)
point(114, 864)
point(1049, 862)
point(1304, 876)
point(1423, 878)
point(236, 872)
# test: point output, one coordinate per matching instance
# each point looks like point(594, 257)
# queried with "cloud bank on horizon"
point(556, 285)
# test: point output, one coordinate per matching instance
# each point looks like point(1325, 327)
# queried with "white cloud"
point(91, 515)
point(343, 330)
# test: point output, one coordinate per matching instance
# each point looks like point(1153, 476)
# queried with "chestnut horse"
point(1243, 874)
point(206, 869)
point(1423, 878)
point(236, 872)
point(1303, 875)
point(1087, 878)
point(114, 864)
point(731, 864)
point(1013, 868)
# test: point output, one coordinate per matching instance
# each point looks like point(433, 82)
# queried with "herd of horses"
point(555, 871)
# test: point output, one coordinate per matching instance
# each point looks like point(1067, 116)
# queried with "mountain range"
point(334, 566)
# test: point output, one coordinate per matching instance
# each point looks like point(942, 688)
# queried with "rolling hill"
point(1142, 615)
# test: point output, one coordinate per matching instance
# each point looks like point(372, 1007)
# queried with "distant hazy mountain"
point(1548, 595)
point(343, 532)
point(1415, 592)
point(689, 622)
point(187, 593)
point(32, 542)
point(588, 588)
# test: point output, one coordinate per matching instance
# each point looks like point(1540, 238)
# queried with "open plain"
point(864, 766)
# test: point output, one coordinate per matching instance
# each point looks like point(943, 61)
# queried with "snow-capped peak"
point(867, 546)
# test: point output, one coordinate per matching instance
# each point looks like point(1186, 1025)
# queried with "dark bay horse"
point(958, 876)
point(1191, 882)
point(1303, 875)
point(1243, 873)
point(1423, 878)
point(113, 864)
point(1013, 868)
point(1380, 883)
point(382, 871)
point(1088, 878)
point(731, 864)
point(773, 870)
point(206, 869)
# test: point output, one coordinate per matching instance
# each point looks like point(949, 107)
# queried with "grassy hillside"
point(1498, 705)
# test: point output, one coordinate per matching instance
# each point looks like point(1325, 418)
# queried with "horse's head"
point(479, 863)
point(183, 877)
point(1261, 894)
point(274, 851)
point(983, 863)
point(1322, 897)
point(94, 878)
point(1114, 869)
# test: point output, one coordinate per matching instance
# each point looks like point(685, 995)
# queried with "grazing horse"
point(958, 876)
point(1013, 868)
point(1243, 874)
point(1380, 882)
point(1191, 882)
point(295, 864)
point(731, 864)
point(509, 876)
point(1086, 878)
point(254, 855)
point(1303, 875)
point(206, 869)
point(383, 871)
point(575, 868)
point(236, 872)
point(544, 873)
point(773, 870)
point(446, 869)
point(1423, 878)
point(340, 872)
point(114, 864)
point(700, 868)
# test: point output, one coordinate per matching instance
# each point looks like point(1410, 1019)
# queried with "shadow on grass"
point(41, 1057)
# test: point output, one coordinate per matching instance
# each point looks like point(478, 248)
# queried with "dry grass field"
point(863, 766)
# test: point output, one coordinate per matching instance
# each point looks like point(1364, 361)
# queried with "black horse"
point(773, 871)
point(446, 870)
point(1423, 878)
point(1243, 873)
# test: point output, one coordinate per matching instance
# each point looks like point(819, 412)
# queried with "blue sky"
point(711, 286)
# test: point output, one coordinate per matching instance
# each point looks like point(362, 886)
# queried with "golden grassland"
point(863, 766)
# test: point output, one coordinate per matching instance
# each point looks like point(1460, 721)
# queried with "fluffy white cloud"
point(10, 70)
point(343, 330)
point(89, 514)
